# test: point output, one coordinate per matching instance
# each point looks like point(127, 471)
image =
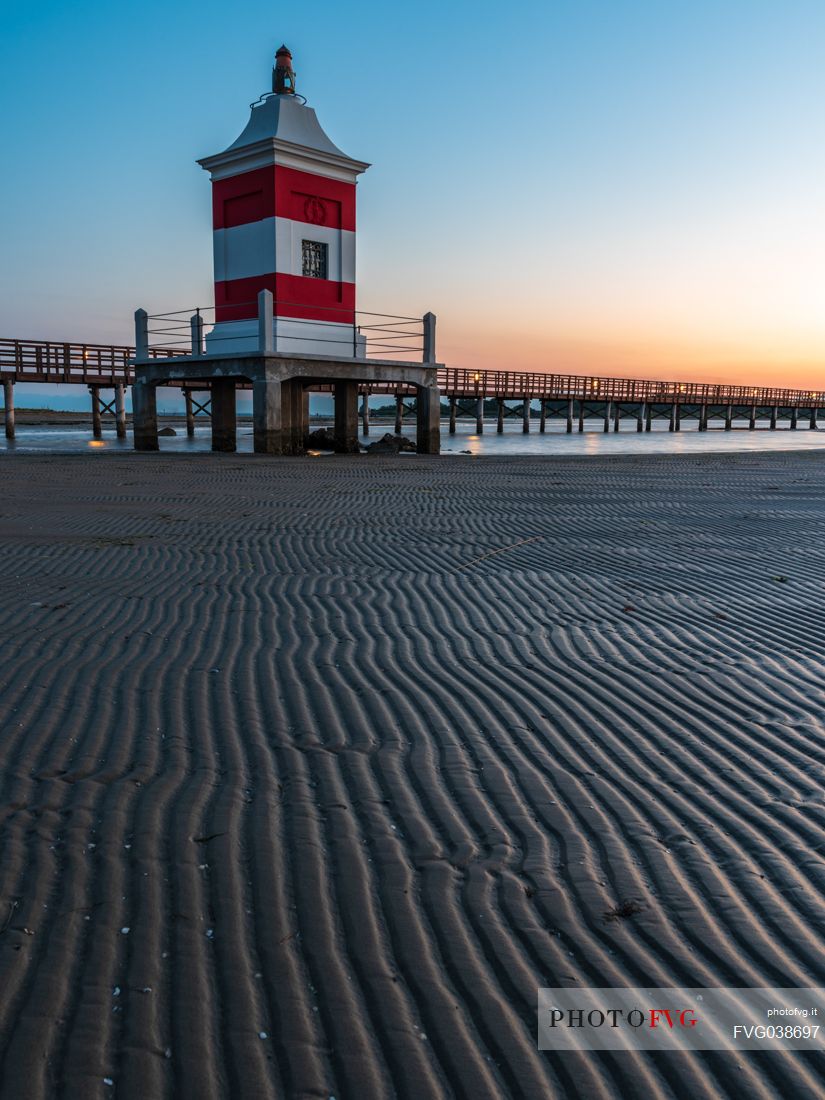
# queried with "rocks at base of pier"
point(167, 431)
point(390, 444)
point(321, 439)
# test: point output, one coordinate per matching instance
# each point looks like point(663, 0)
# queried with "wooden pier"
point(485, 396)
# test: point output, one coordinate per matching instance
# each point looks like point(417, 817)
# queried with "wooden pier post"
point(479, 416)
point(525, 415)
point(8, 403)
point(97, 429)
point(752, 420)
point(794, 418)
point(581, 414)
point(190, 414)
point(399, 413)
point(453, 404)
point(120, 410)
point(812, 423)
point(346, 417)
point(671, 427)
point(774, 413)
point(542, 417)
point(616, 416)
point(500, 417)
point(569, 424)
point(224, 421)
point(606, 417)
point(649, 417)
point(678, 424)
point(729, 418)
point(365, 412)
point(145, 416)
point(640, 416)
point(703, 418)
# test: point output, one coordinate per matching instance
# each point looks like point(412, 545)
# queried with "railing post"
point(429, 338)
point(266, 338)
point(196, 327)
point(141, 334)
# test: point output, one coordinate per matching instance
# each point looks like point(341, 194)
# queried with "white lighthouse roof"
point(286, 118)
point(283, 130)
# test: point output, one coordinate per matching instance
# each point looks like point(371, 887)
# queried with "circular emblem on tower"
point(315, 211)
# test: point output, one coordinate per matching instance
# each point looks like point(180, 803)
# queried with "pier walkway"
point(483, 395)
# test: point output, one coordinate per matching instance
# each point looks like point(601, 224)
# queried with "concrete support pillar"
point(302, 409)
point(190, 414)
point(97, 427)
point(480, 415)
point(525, 415)
point(648, 417)
point(543, 417)
point(774, 414)
point(120, 410)
point(581, 414)
point(8, 402)
point(617, 410)
point(500, 418)
point(346, 417)
point(812, 423)
point(399, 414)
point(728, 418)
point(453, 404)
point(752, 421)
point(144, 416)
point(428, 420)
point(268, 415)
point(607, 417)
point(224, 421)
point(794, 418)
point(293, 395)
point(365, 412)
point(640, 418)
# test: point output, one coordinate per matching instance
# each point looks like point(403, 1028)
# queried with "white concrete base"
point(290, 336)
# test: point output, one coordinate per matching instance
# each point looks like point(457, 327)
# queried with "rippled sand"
point(313, 770)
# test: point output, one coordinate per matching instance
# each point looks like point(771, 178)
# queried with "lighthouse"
point(283, 220)
point(283, 229)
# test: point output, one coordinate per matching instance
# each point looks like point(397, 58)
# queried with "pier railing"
point(108, 364)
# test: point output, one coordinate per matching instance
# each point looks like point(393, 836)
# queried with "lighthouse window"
point(314, 260)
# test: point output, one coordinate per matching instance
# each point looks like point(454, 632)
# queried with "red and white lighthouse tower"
point(283, 217)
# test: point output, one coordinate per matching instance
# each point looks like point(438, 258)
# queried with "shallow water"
point(56, 439)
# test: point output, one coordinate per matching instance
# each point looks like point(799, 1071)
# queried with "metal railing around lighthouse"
point(359, 334)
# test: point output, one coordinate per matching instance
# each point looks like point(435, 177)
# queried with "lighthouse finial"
point(283, 76)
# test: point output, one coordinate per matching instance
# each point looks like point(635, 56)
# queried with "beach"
point(314, 770)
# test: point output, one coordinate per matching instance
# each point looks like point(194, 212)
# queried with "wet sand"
point(313, 770)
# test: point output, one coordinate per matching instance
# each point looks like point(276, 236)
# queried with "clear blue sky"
point(635, 187)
